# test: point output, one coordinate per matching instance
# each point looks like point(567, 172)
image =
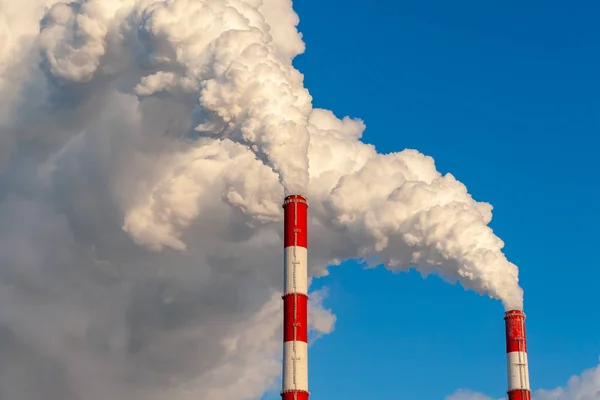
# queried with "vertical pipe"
point(516, 354)
point(295, 299)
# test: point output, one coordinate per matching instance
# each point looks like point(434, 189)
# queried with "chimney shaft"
point(295, 300)
point(516, 352)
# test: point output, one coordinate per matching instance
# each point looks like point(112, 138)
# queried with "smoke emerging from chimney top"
point(145, 149)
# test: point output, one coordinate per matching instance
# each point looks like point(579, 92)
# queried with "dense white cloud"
point(582, 387)
point(146, 149)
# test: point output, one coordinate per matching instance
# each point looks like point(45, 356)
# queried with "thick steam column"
point(295, 300)
point(516, 352)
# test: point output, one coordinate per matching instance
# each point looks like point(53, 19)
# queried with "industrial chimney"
point(295, 300)
point(516, 352)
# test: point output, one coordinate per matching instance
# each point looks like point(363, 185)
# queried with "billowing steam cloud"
point(146, 147)
point(219, 53)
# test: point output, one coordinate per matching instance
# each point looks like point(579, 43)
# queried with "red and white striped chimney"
point(295, 299)
point(516, 352)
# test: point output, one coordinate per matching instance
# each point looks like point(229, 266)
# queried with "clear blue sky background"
point(506, 96)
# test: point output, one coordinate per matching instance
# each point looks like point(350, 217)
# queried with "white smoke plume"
point(146, 149)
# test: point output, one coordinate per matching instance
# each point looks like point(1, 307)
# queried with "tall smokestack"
point(295, 300)
point(516, 352)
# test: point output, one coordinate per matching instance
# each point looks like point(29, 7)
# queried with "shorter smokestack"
point(516, 352)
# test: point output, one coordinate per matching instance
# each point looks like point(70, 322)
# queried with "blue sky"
point(506, 97)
